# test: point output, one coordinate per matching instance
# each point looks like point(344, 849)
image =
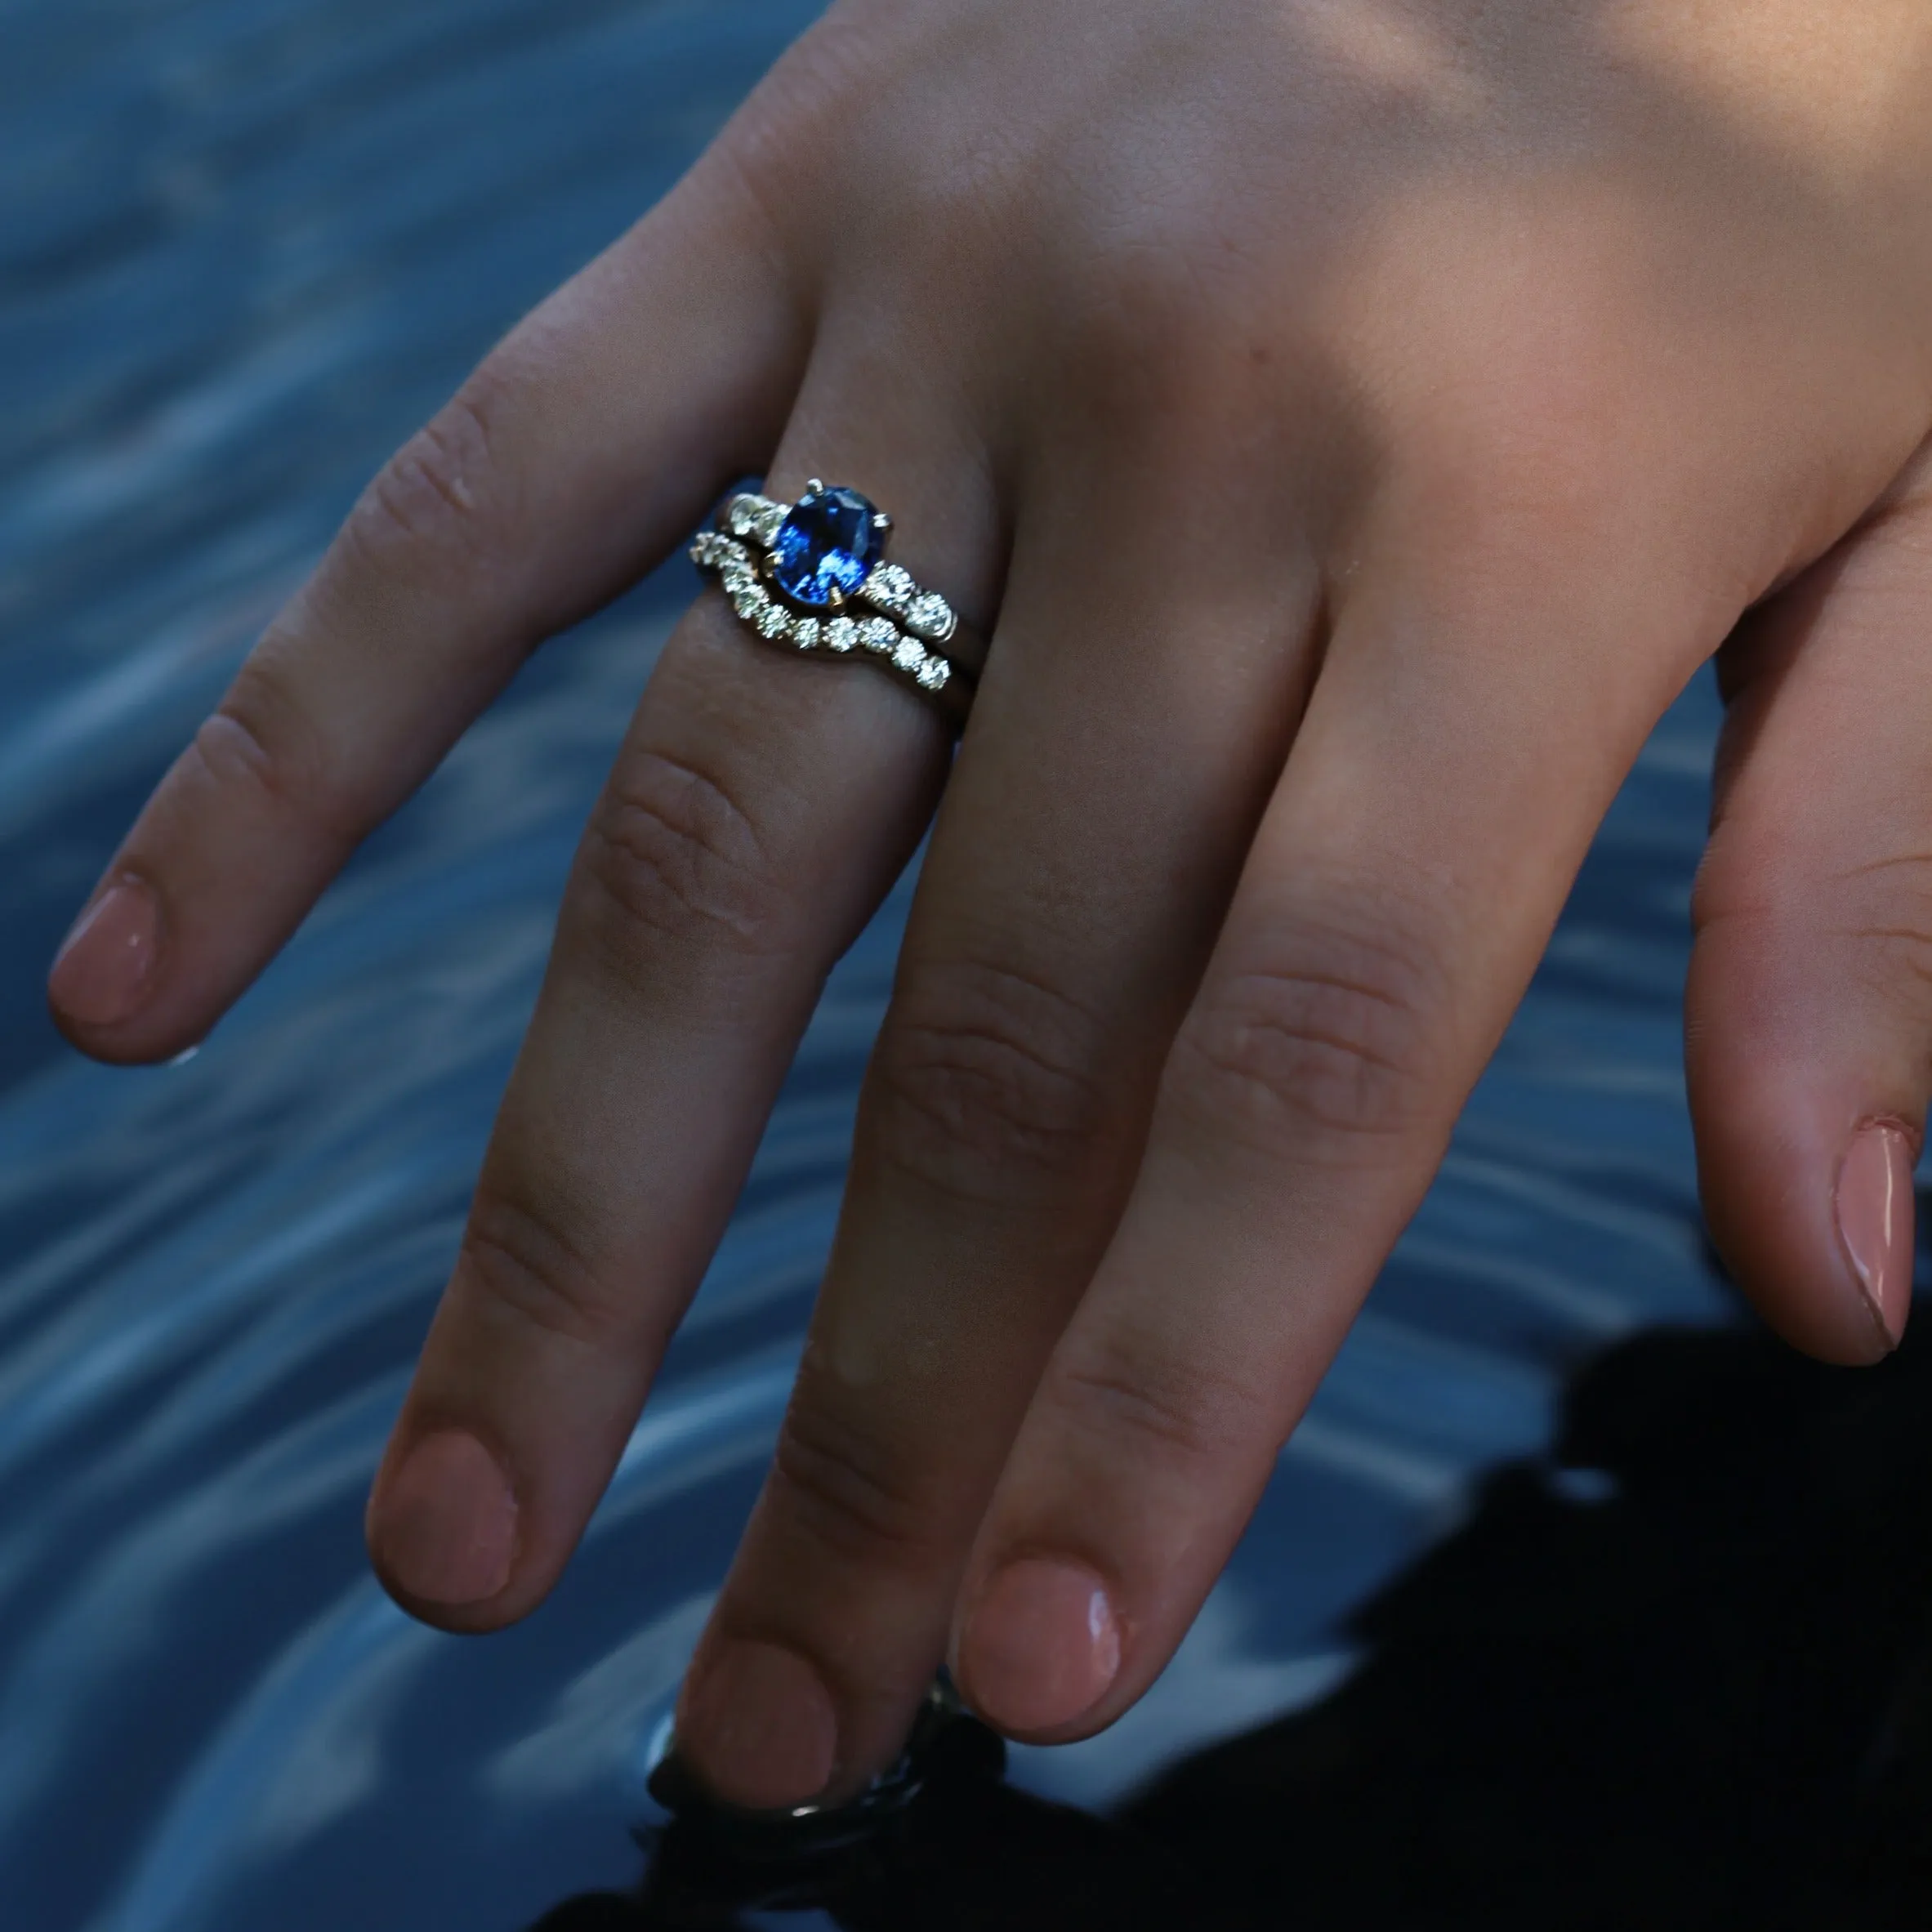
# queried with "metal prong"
point(835, 599)
point(814, 487)
point(881, 520)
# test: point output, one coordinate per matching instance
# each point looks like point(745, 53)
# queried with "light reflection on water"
point(245, 248)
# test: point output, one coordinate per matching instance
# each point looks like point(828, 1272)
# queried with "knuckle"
point(527, 1264)
point(671, 858)
point(1119, 1384)
point(1866, 925)
point(982, 1085)
point(262, 742)
point(1893, 967)
point(1333, 1030)
point(848, 1485)
point(1182, 339)
point(1887, 915)
point(1137, 315)
point(1535, 449)
point(1146, 285)
point(442, 494)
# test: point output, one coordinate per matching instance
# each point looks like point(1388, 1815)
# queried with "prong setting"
point(810, 575)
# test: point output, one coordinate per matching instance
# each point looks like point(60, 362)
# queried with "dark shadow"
point(1679, 1678)
point(1704, 1701)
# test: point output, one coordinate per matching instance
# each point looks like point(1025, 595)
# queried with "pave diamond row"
point(877, 636)
point(755, 516)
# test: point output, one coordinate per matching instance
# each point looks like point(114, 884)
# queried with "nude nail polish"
point(103, 970)
point(1041, 1646)
point(443, 1525)
point(758, 1726)
point(1874, 1223)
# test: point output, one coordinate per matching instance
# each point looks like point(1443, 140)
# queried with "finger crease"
point(537, 1275)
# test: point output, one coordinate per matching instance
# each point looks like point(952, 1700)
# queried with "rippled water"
point(244, 247)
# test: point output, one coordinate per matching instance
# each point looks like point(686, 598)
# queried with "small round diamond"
point(908, 656)
point(876, 634)
point(934, 673)
point(738, 577)
point(841, 634)
point(889, 589)
point(931, 616)
point(773, 622)
point(749, 601)
point(741, 516)
point(805, 633)
point(769, 521)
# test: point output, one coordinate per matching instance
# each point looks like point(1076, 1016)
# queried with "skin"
point(1353, 421)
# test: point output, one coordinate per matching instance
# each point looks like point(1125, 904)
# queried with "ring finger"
point(760, 807)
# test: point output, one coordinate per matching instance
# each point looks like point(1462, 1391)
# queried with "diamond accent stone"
point(878, 634)
point(749, 601)
point(773, 621)
point(908, 655)
point(742, 515)
point(824, 548)
point(769, 521)
point(805, 633)
point(841, 634)
point(934, 673)
point(931, 617)
point(889, 589)
point(739, 576)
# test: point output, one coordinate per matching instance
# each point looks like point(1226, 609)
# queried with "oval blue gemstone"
point(825, 547)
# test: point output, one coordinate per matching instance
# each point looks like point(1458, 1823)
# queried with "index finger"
point(567, 465)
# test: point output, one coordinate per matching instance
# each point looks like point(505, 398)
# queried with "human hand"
point(1362, 417)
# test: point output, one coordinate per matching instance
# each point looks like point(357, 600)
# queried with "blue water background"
point(244, 248)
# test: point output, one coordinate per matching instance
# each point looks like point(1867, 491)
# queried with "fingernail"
point(1875, 1217)
point(1041, 1647)
point(445, 1523)
point(100, 973)
point(758, 1726)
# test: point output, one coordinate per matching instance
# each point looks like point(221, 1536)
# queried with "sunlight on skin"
point(1836, 102)
point(1548, 335)
point(1396, 47)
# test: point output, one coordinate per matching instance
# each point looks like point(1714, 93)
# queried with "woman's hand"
point(1362, 417)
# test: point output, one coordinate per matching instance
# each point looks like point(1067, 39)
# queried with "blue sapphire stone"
point(825, 547)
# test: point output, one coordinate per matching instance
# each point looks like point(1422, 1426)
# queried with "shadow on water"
point(1679, 1678)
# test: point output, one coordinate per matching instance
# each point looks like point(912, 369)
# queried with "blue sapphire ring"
point(812, 576)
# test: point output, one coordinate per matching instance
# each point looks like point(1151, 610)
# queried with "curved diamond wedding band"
point(811, 576)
